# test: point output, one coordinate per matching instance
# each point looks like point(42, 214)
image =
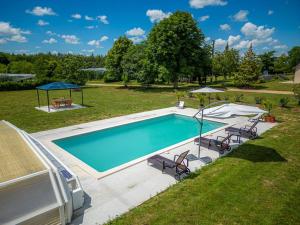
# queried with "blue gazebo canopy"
point(58, 86)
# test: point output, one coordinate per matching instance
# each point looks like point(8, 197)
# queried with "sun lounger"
point(177, 163)
point(180, 104)
point(220, 144)
point(249, 131)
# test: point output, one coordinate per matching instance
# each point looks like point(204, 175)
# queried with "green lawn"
point(258, 183)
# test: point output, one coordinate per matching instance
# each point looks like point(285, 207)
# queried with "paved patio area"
point(115, 193)
point(62, 108)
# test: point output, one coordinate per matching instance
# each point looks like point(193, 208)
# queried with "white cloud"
point(220, 43)
point(70, 39)
point(270, 12)
point(41, 11)
point(103, 19)
point(10, 33)
point(103, 38)
point(137, 39)
point(199, 4)
point(3, 40)
point(243, 44)
point(225, 27)
point(91, 27)
point(88, 50)
point(241, 15)
point(157, 15)
point(97, 43)
point(259, 32)
point(89, 18)
point(207, 39)
point(137, 31)
point(51, 33)
point(280, 46)
point(50, 41)
point(233, 39)
point(42, 23)
point(76, 16)
point(203, 18)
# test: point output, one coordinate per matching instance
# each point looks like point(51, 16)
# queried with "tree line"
point(175, 51)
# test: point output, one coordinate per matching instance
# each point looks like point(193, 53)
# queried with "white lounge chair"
point(180, 104)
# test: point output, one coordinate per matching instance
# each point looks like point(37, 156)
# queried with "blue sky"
point(88, 26)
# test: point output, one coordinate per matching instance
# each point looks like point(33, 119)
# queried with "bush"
point(269, 106)
point(296, 90)
point(284, 101)
point(258, 100)
point(23, 85)
point(226, 98)
point(218, 97)
point(238, 98)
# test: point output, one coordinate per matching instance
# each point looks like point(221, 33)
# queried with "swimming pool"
point(112, 147)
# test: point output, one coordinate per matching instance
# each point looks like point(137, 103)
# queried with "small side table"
point(237, 134)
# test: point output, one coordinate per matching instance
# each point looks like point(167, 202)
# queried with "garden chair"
point(221, 144)
point(248, 131)
point(178, 163)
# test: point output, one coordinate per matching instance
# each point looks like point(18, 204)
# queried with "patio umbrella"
point(228, 110)
point(207, 90)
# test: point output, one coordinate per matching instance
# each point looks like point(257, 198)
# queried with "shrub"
point(218, 97)
point(200, 97)
point(23, 85)
point(284, 101)
point(258, 99)
point(296, 90)
point(238, 98)
point(268, 105)
point(226, 98)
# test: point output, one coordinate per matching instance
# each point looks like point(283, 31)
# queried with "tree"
point(132, 62)
point(3, 68)
point(176, 43)
point(294, 57)
point(249, 69)
point(20, 67)
point(4, 58)
point(267, 59)
point(114, 59)
point(225, 63)
point(281, 64)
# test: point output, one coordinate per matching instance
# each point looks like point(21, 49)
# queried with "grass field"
point(258, 183)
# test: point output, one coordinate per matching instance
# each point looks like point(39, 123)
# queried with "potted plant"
point(200, 98)
point(179, 95)
point(269, 118)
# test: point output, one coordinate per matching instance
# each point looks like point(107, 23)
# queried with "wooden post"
point(38, 96)
point(82, 97)
point(70, 94)
point(48, 101)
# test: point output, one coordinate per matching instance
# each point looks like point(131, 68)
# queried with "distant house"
point(17, 76)
point(297, 74)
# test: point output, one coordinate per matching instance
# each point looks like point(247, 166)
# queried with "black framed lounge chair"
point(249, 131)
point(221, 144)
point(180, 163)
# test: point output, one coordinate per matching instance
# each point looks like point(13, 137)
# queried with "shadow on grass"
point(256, 153)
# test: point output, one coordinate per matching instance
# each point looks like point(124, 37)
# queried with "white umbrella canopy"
point(206, 90)
point(228, 110)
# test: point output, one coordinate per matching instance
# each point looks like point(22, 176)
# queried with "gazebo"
point(58, 86)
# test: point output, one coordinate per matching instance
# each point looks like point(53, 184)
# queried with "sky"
point(91, 26)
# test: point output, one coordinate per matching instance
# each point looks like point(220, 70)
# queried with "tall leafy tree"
point(132, 62)
point(294, 57)
point(249, 69)
point(114, 59)
point(281, 64)
point(176, 43)
point(267, 59)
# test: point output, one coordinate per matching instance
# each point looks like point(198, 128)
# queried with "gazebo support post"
point(82, 97)
point(48, 101)
point(70, 94)
point(38, 97)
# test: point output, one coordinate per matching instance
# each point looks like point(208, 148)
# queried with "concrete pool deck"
point(124, 189)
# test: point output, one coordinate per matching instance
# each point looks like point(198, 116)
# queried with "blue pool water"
point(106, 149)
